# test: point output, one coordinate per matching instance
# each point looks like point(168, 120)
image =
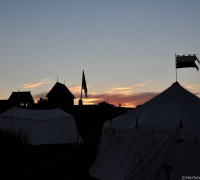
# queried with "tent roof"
point(42, 126)
point(158, 148)
point(163, 111)
point(36, 114)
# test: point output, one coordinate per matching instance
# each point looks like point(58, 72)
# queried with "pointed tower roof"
point(59, 88)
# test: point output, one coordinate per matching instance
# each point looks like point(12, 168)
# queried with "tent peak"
point(176, 83)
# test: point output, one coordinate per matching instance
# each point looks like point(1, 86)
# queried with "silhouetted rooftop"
point(24, 96)
point(59, 88)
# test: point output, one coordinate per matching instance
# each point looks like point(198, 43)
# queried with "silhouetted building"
point(106, 105)
point(4, 105)
point(21, 99)
point(60, 96)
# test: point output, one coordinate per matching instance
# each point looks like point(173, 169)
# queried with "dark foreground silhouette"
point(21, 161)
point(64, 161)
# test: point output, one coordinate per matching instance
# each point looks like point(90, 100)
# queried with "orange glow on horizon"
point(95, 101)
point(117, 96)
point(89, 101)
point(129, 105)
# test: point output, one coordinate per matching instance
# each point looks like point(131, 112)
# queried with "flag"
point(84, 85)
point(186, 61)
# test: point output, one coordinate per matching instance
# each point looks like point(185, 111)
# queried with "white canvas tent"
point(158, 141)
point(42, 126)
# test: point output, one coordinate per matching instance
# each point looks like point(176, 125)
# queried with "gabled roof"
point(24, 96)
point(60, 89)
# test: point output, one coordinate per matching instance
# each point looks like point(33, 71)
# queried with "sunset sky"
point(126, 47)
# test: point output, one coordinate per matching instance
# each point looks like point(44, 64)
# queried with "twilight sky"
point(126, 47)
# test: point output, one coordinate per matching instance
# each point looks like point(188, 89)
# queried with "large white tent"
point(160, 140)
point(42, 126)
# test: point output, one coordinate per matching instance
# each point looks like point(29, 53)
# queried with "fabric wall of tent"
point(42, 126)
point(160, 140)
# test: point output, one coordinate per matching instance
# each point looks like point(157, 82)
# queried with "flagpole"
point(81, 91)
point(175, 67)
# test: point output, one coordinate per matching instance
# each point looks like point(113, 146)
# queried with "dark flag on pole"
point(84, 85)
point(186, 61)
